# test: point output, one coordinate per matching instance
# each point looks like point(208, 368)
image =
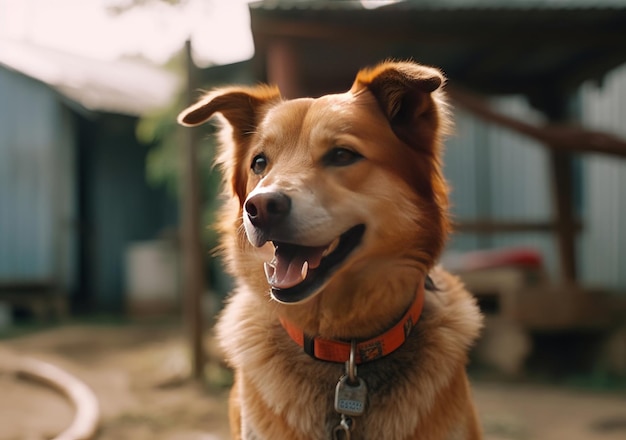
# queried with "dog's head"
point(342, 184)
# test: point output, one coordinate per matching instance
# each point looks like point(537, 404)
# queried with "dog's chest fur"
point(278, 380)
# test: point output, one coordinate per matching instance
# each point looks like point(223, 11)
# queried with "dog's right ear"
point(242, 107)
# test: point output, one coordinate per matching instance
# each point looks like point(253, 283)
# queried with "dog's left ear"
point(404, 92)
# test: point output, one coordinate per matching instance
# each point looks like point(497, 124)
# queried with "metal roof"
point(496, 47)
point(437, 4)
point(125, 87)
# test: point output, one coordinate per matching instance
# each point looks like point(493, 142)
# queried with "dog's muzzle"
point(266, 212)
point(296, 272)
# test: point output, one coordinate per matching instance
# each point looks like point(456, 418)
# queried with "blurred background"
point(106, 262)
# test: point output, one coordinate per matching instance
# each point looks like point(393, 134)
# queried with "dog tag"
point(350, 398)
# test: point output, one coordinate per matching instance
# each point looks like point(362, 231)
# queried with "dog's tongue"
point(291, 264)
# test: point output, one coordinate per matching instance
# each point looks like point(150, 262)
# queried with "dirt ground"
point(138, 374)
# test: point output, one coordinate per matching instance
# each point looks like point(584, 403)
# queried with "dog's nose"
point(265, 209)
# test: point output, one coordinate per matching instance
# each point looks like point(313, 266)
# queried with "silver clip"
point(342, 430)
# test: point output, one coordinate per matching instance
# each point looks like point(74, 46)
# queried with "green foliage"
point(165, 160)
point(164, 164)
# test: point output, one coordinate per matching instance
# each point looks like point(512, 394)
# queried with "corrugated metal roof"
point(514, 4)
point(495, 47)
point(124, 87)
point(439, 4)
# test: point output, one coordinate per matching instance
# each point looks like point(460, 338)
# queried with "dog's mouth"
point(297, 272)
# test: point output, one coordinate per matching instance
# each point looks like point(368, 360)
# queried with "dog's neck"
point(355, 308)
point(333, 350)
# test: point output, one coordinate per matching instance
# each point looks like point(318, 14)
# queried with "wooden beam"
point(485, 226)
point(556, 137)
point(463, 27)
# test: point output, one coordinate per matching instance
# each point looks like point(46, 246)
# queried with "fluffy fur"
point(367, 157)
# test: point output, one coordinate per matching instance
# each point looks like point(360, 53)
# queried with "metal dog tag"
point(350, 398)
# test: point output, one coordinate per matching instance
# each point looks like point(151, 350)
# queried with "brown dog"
point(336, 215)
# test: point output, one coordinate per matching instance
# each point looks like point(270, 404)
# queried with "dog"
point(341, 323)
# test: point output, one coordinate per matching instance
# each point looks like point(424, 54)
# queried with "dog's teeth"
point(269, 271)
point(331, 247)
point(305, 270)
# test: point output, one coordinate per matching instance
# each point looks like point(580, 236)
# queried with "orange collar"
point(339, 351)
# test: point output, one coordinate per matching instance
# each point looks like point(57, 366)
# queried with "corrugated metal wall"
point(39, 190)
point(604, 243)
point(497, 174)
point(36, 197)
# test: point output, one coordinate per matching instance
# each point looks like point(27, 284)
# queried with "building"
point(73, 192)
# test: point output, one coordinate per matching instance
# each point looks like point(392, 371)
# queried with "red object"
point(516, 257)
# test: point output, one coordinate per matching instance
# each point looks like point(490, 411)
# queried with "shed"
point(72, 185)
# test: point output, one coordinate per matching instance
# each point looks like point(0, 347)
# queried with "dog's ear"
point(240, 106)
point(243, 108)
point(404, 92)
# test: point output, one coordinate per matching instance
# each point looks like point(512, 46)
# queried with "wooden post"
point(562, 187)
point(282, 69)
point(193, 250)
point(561, 164)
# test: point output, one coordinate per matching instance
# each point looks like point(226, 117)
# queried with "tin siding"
point(464, 169)
point(603, 246)
point(497, 174)
point(35, 180)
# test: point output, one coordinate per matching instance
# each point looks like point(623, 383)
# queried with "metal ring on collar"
point(351, 364)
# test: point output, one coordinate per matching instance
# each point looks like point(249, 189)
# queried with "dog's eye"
point(341, 157)
point(259, 163)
